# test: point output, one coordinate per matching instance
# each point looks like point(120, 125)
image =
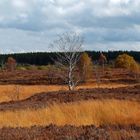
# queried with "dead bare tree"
point(68, 49)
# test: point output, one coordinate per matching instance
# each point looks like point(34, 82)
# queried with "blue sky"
point(31, 25)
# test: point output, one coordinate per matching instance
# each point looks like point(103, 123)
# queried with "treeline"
point(45, 58)
point(112, 55)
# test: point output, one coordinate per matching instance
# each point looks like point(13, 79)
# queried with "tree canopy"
point(85, 66)
point(127, 62)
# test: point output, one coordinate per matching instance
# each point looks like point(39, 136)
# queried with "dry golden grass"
point(7, 91)
point(78, 113)
point(25, 91)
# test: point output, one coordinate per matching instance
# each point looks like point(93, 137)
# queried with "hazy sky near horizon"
point(31, 25)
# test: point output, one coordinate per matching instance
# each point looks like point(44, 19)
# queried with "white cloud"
point(111, 46)
point(19, 3)
point(100, 21)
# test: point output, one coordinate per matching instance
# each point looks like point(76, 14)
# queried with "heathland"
point(35, 103)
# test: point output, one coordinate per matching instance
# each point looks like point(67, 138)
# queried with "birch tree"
point(68, 49)
point(85, 66)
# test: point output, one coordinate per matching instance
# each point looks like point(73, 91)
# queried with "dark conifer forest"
point(45, 58)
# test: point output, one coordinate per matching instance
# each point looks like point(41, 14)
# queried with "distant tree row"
point(45, 58)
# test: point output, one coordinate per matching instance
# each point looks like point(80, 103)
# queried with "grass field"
point(109, 109)
point(98, 112)
point(8, 92)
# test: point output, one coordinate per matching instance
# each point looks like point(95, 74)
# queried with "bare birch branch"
point(68, 48)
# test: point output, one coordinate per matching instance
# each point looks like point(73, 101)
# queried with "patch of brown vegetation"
point(117, 85)
point(40, 77)
point(28, 77)
point(31, 82)
point(53, 132)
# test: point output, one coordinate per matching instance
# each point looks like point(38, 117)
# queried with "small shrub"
point(11, 64)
